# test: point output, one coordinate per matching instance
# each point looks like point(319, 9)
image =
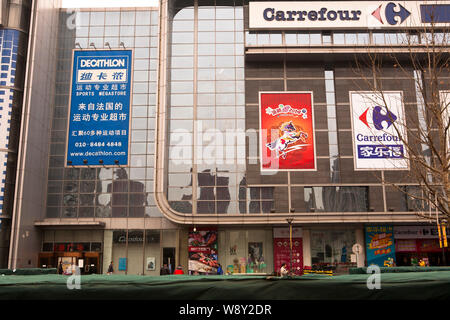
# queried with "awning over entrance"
point(62, 224)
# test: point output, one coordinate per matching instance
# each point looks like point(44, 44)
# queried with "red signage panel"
point(287, 131)
point(282, 254)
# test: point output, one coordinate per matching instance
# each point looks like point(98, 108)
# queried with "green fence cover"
point(28, 271)
point(399, 269)
point(394, 286)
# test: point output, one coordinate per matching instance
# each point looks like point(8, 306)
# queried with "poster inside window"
point(331, 248)
point(246, 251)
point(255, 262)
point(380, 247)
point(202, 249)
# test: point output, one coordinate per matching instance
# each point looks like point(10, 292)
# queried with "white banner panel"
point(285, 233)
point(347, 15)
point(376, 118)
point(416, 232)
point(444, 97)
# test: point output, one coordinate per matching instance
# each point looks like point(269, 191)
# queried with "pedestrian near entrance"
point(110, 268)
point(179, 270)
point(219, 269)
point(164, 270)
point(283, 270)
point(60, 268)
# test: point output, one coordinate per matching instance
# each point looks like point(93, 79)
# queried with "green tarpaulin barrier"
point(399, 269)
point(431, 285)
point(28, 271)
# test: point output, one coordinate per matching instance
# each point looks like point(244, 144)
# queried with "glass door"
point(169, 258)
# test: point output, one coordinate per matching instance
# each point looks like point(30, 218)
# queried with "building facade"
point(200, 185)
point(14, 31)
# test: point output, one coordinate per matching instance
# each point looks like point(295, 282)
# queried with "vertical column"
point(107, 249)
point(196, 150)
point(306, 240)
point(359, 235)
point(332, 126)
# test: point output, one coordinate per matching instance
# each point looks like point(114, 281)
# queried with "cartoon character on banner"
point(289, 135)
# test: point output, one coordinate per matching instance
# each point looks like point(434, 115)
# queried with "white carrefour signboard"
point(378, 123)
point(347, 15)
point(416, 232)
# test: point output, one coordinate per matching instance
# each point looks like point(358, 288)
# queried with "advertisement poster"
point(67, 264)
point(377, 120)
point(380, 245)
point(99, 113)
point(428, 245)
point(151, 263)
point(287, 131)
point(122, 264)
point(282, 251)
point(202, 248)
point(255, 261)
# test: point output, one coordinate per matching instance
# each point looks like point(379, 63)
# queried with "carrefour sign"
point(379, 130)
point(345, 15)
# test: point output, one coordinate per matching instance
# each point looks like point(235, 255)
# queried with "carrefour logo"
point(270, 14)
point(394, 13)
point(389, 14)
point(390, 145)
point(379, 119)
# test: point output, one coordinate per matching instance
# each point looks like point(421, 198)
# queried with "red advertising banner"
point(282, 254)
point(202, 250)
point(287, 131)
point(428, 245)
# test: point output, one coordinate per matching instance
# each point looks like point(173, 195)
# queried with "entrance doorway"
point(68, 263)
point(92, 262)
point(46, 260)
point(169, 258)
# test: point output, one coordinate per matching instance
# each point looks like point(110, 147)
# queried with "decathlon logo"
point(391, 12)
point(378, 117)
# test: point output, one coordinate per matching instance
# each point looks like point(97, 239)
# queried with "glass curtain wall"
point(106, 192)
point(206, 156)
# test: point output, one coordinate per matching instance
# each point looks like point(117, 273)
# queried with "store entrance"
point(46, 260)
point(67, 262)
point(169, 258)
point(92, 262)
point(433, 259)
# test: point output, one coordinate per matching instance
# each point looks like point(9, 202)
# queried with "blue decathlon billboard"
point(99, 116)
